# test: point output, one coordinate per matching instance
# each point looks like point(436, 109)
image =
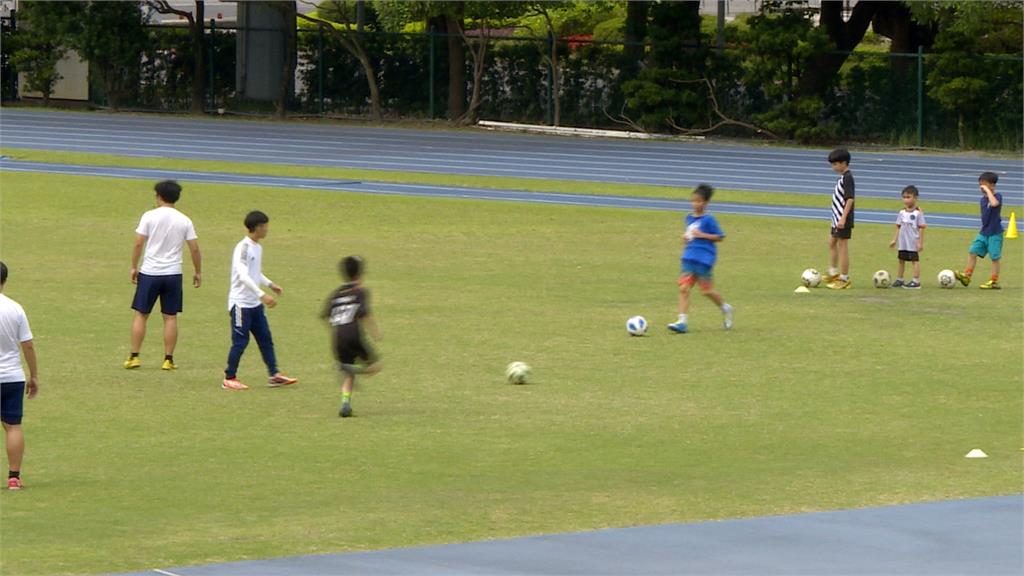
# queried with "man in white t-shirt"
point(15, 336)
point(245, 305)
point(162, 231)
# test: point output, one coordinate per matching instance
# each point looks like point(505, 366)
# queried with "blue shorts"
point(698, 269)
point(12, 399)
point(149, 288)
point(992, 246)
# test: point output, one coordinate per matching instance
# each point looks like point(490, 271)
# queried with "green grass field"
point(813, 402)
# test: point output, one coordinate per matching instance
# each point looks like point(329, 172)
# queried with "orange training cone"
point(1011, 229)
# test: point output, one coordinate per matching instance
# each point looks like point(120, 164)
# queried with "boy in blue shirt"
point(989, 240)
point(698, 259)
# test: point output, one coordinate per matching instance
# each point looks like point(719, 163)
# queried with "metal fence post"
point(549, 114)
point(320, 68)
point(213, 40)
point(430, 39)
point(920, 96)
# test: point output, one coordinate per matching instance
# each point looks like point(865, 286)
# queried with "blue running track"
point(941, 177)
point(863, 216)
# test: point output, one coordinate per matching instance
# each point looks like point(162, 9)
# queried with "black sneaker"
point(346, 410)
point(897, 283)
point(912, 284)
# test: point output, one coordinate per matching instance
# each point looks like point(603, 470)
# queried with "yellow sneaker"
point(132, 362)
point(829, 278)
point(838, 284)
point(168, 365)
point(991, 285)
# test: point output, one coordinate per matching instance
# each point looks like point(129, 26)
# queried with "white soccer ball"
point(636, 326)
point(517, 373)
point(947, 279)
point(811, 278)
point(882, 279)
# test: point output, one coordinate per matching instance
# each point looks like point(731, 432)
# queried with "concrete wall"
point(74, 84)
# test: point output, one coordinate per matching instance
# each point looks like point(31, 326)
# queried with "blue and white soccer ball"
point(636, 326)
point(517, 373)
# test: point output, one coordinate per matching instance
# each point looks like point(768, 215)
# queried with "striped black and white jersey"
point(842, 194)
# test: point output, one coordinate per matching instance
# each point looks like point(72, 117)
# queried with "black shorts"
point(908, 256)
point(842, 233)
point(149, 288)
point(12, 401)
point(349, 350)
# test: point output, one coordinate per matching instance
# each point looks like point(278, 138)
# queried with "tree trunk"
point(479, 55)
point(287, 10)
point(636, 33)
point(198, 59)
point(821, 69)
point(371, 83)
point(894, 21)
point(456, 63)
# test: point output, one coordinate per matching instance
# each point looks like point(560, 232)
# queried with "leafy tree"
point(780, 42)
point(196, 30)
point(41, 43)
point(958, 80)
point(111, 37)
point(664, 93)
point(341, 18)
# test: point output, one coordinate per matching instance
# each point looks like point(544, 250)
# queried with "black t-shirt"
point(344, 307)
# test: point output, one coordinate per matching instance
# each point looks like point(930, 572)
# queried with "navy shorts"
point(12, 399)
point(908, 256)
point(149, 288)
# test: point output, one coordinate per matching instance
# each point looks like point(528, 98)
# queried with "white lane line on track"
point(165, 572)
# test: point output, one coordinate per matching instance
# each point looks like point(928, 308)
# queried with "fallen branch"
point(725, 120)
point(625, 120)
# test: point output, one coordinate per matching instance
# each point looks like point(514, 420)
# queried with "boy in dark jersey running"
point(347, 310)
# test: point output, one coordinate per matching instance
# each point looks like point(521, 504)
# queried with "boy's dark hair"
point(3, 273)
point(988, 177)
point(254, 219)
point(839, 155)
point(704, 191)
point(351, 267)
point(910, 190)
point(169, 190)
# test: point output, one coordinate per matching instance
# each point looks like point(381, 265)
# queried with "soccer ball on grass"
point(636, 326)
point(947, 279)
point(517, 373)
point(811, 278)
point(882, 279)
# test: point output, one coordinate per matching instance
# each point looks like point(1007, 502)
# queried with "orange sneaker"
point(279, 379)
point(14, 483)
point(233, 384)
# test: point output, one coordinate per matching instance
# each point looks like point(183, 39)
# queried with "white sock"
point(726, 308)
point(682, 318)
point(833, 271)
point(844, 277)
point(917, 279)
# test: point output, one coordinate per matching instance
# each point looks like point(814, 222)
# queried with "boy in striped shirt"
point(838, 277)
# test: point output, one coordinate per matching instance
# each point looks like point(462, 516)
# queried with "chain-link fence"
point(878, 97)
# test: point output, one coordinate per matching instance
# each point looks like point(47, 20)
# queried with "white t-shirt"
point(13, 331)
point(247, 275)
point(166, 230)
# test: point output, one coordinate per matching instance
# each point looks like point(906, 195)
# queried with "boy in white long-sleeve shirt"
point(246, 301)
